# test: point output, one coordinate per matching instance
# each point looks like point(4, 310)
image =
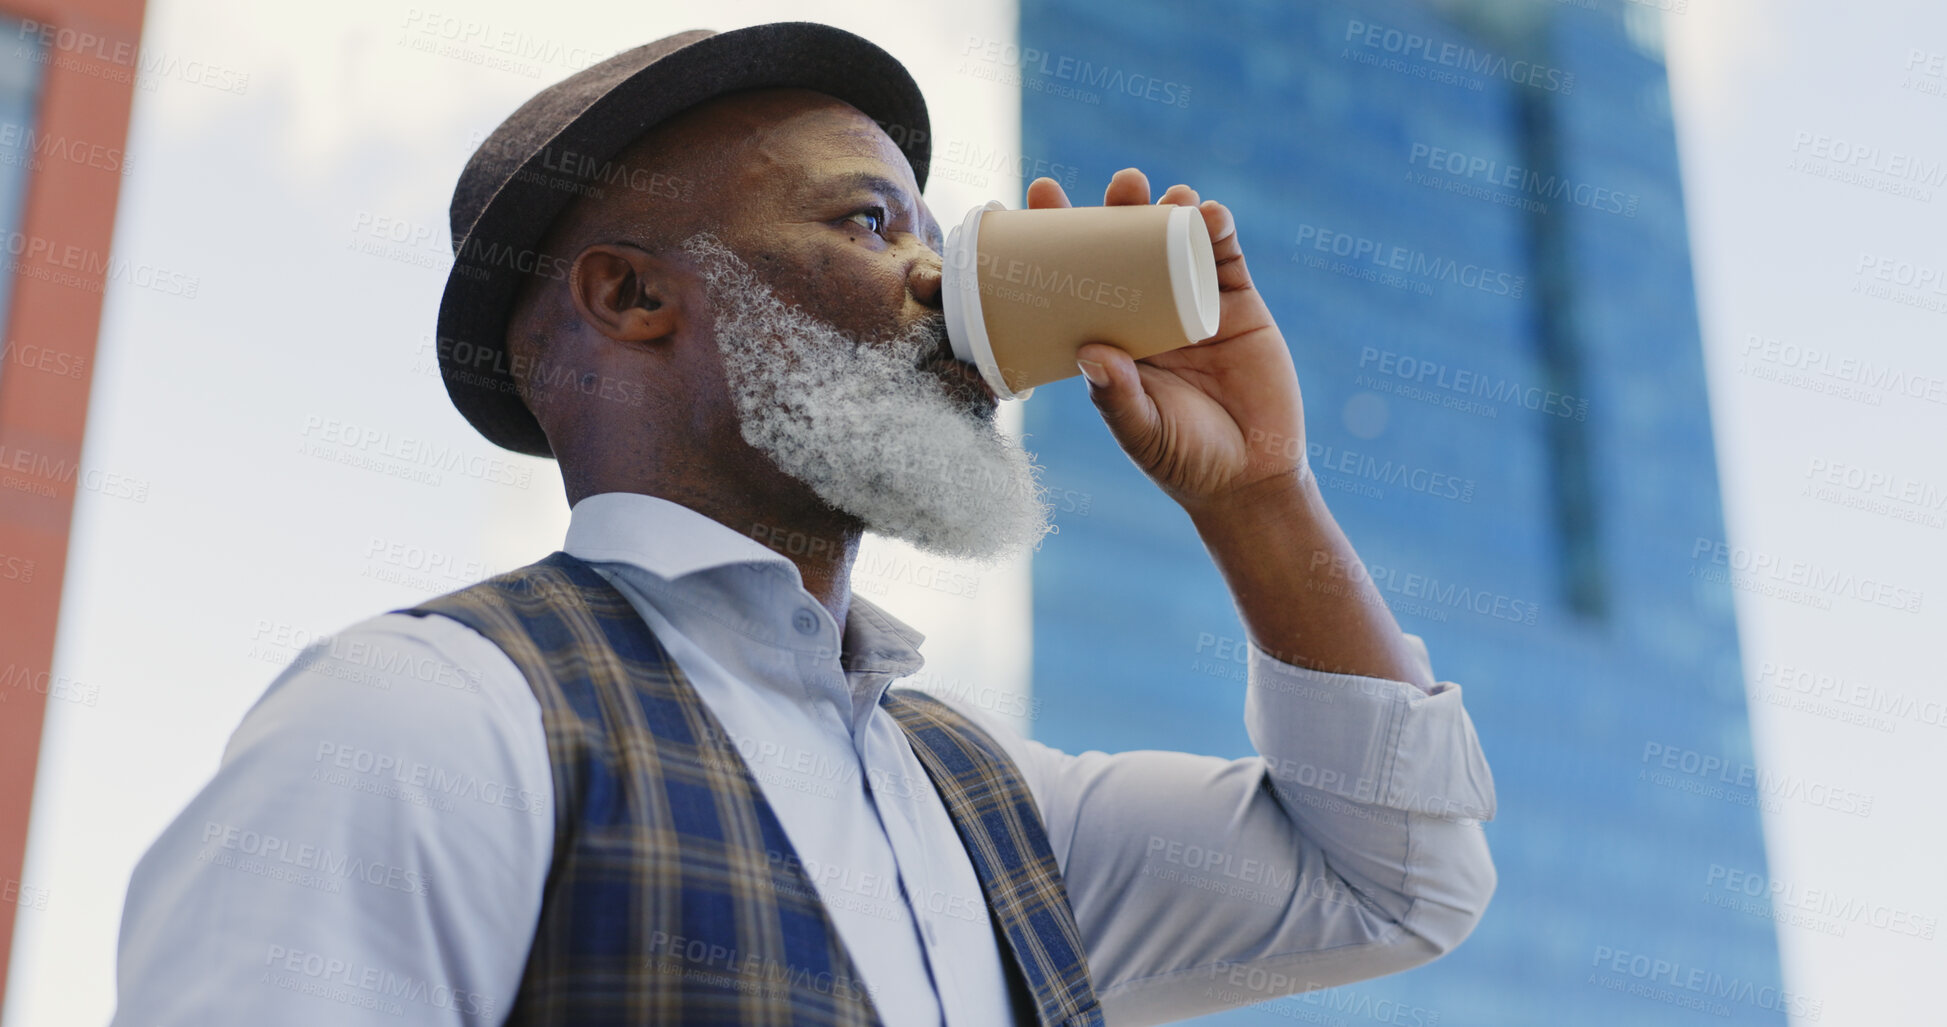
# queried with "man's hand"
point(1220, 428)
point(1208, 420)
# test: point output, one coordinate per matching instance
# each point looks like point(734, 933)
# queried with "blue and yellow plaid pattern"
point(674, 896)
point(1001, 828)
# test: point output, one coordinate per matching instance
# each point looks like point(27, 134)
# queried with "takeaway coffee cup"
point(1024, 289)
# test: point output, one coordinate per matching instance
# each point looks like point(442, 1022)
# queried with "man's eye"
point(874, 219)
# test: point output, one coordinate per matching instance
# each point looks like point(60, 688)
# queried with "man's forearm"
point(1302, 593)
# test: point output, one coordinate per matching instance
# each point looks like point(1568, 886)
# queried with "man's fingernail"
point(1094, 372)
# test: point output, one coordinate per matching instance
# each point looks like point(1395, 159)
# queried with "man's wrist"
point(1298, 585)
point(1286, 502)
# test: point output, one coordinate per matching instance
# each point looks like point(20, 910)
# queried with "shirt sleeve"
point(1348, 848)
point(372, 849)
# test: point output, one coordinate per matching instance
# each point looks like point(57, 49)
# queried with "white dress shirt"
point(375, 843)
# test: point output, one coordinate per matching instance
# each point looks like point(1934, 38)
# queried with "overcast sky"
point(1815, 172)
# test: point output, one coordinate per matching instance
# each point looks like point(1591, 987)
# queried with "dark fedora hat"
point(559, 146)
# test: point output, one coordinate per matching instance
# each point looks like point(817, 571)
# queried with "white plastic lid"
point(1193, 274)
point(966, 325)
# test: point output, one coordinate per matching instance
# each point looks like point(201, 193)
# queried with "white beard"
point(866, 425)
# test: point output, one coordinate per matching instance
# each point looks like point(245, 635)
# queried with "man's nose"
point(925, 278)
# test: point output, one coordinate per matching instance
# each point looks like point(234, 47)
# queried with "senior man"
point(660, 776)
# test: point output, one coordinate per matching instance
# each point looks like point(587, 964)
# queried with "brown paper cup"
point(1024, 289)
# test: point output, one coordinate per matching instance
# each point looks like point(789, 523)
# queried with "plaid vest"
point(674, 896)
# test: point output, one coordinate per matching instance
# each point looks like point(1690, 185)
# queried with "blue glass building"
point(1468, 220)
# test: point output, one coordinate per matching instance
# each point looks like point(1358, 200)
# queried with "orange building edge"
point(88, 77)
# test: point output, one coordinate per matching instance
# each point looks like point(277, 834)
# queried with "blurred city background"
point(1618, 324)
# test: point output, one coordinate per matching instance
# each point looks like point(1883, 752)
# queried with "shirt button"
point(805, 621)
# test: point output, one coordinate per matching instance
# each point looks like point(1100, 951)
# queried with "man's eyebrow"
point(870, 182)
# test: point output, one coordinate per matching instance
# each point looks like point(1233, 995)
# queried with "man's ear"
point(625, 292)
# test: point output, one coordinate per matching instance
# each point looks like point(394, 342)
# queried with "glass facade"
point(1468, 220)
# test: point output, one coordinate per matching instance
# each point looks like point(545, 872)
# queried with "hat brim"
point(531, 188)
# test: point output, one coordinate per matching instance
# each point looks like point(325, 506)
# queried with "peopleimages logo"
point(1860, 695)
point(1898, 172)
point(402, 456)
point(1436, 596)
point(1717, 777)
point(1038, 280)
point(426, 27)
point(40, 146)
point(1029, 60)
point(46, 475)
point(273, 851)
point(1755, 570)
point(1700, 983)
point(1823, 902)
point(1322, 457)
point(1427, 49)
point(1239, 983)
point(89, 269)
point(1834, 373)
point(365, 986)
point(963, 160)
point(1434, 374)
point(1905, 282)
point(1872, 490)
point(118, 60)
point(1410, 261)
point(373, 766)
point(1534, 183)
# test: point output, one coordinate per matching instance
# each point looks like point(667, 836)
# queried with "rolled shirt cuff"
point(1372, 741)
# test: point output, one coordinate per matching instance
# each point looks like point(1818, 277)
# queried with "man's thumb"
point(1116, 389)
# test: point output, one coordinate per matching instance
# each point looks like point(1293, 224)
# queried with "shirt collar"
point(672, 541)
point(666, 539)
point(878, 642)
